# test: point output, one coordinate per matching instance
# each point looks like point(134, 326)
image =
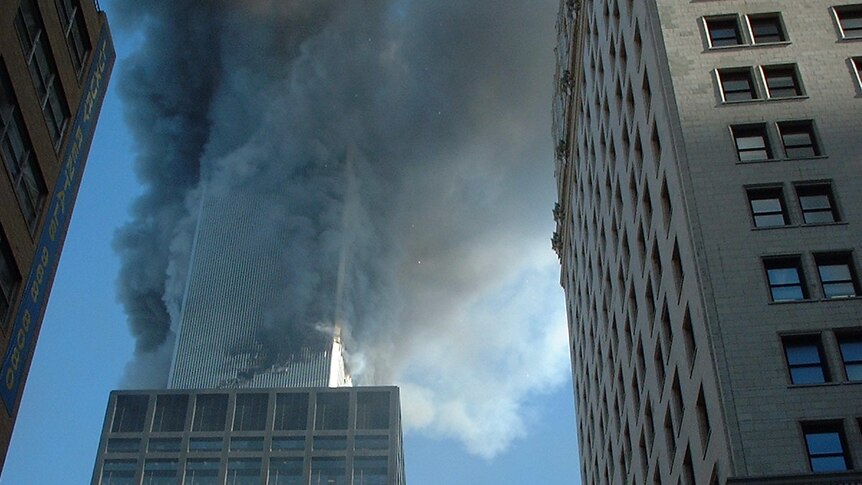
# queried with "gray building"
point(709, 230)
point(295, 436)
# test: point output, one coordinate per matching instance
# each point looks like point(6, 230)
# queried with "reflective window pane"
point(328, 471)
point(164, 444)
point(130, 413)
point(170, 413)
point(291, 412)
point(372, 410)
point(330, 443)
point(851, 354)
point(288, 443)
point(118, 472)
point(123, 445)
point(376, 442)
point(160, 472)
point(246, 444)
point(205, 444)
point(210, 412)
point(250, 412)
point(331, 411)
point(285, 471)
point(370, 471)
point(202, 472)
point(243, 471)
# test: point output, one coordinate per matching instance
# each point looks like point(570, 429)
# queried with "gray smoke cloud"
point(399, 148)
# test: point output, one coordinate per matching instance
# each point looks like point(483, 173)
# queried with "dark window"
point(767, 207)
point(130, 413)
point(371, 470)
point(18, 155)
point(210, 412)
point(703, 420)
point(332, 410)
point(752, 142)
point(250, 412)
point(371, 442)
point(160, 472)
point(118, 472)
point(291, 412)
point(837, 275)
point(172, 445)
point(798, 139)
point(723, 31)
point(43, 69)
point(857, 67)
point(851, 354)
point(288, 443)
point(767, 28)
point(242, 443)
point(850, 20)
point(205, 444)
point(817, 204)
point(123, 445)
point(202, 471)
point(782, 81)
point(737, 84)
point(372, 410)
point(243, 471)
point(785, 279)
point(9, 279)
point(285, 471)
point(170, 414)
point(826, 447)
point(75, 29)
point(805, 359)
point(329, 443)
point(328, 470)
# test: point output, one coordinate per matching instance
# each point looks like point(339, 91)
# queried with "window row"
point(759, 82)
point(808, 362)
point(787, 282)
point(251, 412)
point(247, 471)
point(816, 204)
point(375, 442)
point(754, 141)
point(826, 446)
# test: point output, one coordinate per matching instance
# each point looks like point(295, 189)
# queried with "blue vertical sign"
point(53, 234)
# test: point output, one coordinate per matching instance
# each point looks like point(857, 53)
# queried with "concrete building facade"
point(344, 436)
point(708, 227)
point(55, 60)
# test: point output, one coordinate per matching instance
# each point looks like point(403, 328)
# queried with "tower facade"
point(708, 229)
point(55, 61)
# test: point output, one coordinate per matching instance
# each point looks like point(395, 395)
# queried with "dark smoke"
point(399, 150)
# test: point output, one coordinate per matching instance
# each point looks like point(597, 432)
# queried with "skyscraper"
point(55, 61)
point(708, 227)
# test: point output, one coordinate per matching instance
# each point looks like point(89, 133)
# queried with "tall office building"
point(709, 231)
point(344, 436)
point(55, 60)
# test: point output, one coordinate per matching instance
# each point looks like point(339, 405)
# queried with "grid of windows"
point(837, 277)
point(75, 29)
point(850, 20)
point(826, 446)
point(785, 279)
point(805, 359)
point(763, 28)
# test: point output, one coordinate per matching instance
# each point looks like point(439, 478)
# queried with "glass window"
point(785, 279)
point(10, 278)
point(170, 413)
point(285, 471)
point(210, 412)
point(372, 410)
point(165, 444)
point(202, 471)
point(817, 204)
point(857, 68)
point(737, 84)
point(291, 412)
point(330, 443)
point(723, 31)
point(372, 470)
point(77, 39)
point(782, 81)
point(118, 472)
point(798, 139)
point(805, 359)
point(17, 153)
point(250, 412)
point(123, 445)
point(328, 470)
point(371, 442)
point(850, 20)
point(332, 410)
point(836, 275)
point(243, 471)
point(130, 413)
point(826, 447)
point(752, 142)
point(851, 354)
point(766, 28)
point(205, 444)
point(160, 472)
point(767, 207)
point(246, 443)
point(288, 443)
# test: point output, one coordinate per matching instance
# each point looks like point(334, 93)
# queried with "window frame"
point(837, 259)
point(785, 262)
point(850, 337)
point(778, 192)
point(768, 72)
point(748, 130)
point(848, 8)
point(779, 22)
point(814, 340)
point(828, 427)
point(74, 22)
point(807, 190)
point(737, 75)
point(741, 40)
point(856, 66)
point(10, 280)
point(796, 127)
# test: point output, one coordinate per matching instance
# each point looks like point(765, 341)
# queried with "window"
point(130, 412)
point(826, 447)
point(766, 28)
point(805, 359)
point(837, 276)
point(332, 410)
point(798, 139)
point(782, 81)
point(250, 413)
point(244, 443)
point(43, 69)
point(18, 155)
point(210, 412)
point(737, 84)
point(371, 442)
point(329, 443)
point(372, 410)
point(288, 443)
point(160, 472)
point(703, 421)
point(857, 68)
point(291, 412)
point(205, 444)
point(285, 471)
point(202, 471)
point(172, 445)
point(76, 31)
point(767, 207)
point(850, 20)
point(752, 142)
point(9, 280)
point(851, 355)
point(817, 204)
point(328, 470)
point(785, 279)
point(243, 471)
point(170, 414)
point(118, 472)
point(723, 31)
point(123, 445)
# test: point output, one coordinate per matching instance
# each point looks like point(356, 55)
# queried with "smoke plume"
point(399, 148)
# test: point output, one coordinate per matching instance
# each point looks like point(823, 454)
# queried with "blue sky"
point(85, 345)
